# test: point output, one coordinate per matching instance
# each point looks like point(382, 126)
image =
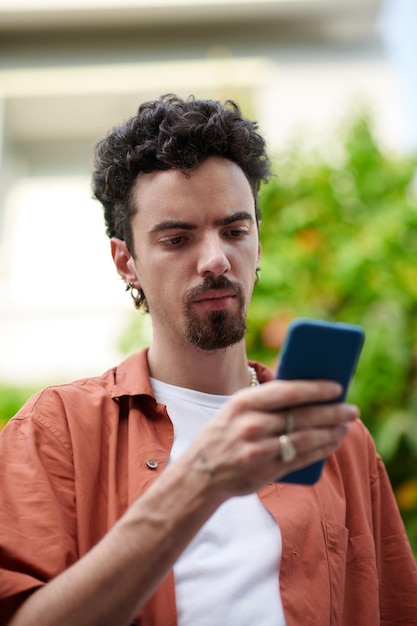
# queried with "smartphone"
point(316, 349)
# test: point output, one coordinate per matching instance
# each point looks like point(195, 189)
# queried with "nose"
point(213, 257)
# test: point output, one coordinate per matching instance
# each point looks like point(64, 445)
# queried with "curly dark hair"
point(172, 133)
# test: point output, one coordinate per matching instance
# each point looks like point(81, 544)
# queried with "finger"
point(255, 425)
point(280, 394)
point(306, 443)
point(304, 460)
point(319, 416)
point(264, 463)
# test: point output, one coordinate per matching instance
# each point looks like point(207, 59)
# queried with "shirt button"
point(152, 464)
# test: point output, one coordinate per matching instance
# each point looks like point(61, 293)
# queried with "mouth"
point(215, 299)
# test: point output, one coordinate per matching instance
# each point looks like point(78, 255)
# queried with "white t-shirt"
point(229, 572)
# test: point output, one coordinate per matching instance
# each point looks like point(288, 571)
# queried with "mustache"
point(213, 282)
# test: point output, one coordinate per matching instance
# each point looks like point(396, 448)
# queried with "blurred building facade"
point(70, 70)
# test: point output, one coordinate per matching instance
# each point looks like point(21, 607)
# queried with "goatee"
point(217, 329)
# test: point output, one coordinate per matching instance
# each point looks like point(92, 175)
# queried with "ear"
point(259, 252)
point(124, 262)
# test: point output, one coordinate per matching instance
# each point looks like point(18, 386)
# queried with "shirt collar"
point(131, 377)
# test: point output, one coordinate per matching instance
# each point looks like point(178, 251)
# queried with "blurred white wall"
point(69, 72)
point(398, 27)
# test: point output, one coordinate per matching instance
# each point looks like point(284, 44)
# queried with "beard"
point(217, 329)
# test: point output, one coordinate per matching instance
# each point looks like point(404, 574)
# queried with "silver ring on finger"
point(289, 422)
point(287, 449)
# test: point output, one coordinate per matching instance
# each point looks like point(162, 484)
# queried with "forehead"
point(216, 185)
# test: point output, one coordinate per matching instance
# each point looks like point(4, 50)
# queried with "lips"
point(216, 293)
point(214, 300)
point(213, 294)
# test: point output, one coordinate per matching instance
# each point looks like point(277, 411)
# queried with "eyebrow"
point(240, 216)
point(224, 221)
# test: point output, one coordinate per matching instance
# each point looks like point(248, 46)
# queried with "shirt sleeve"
point(395, 560)
point(37, 505)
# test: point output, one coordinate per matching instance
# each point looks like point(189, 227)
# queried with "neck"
point(220, 372)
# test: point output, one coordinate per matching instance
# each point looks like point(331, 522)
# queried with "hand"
point(239, 449)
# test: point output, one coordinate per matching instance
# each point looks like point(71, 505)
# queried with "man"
point(149, 495)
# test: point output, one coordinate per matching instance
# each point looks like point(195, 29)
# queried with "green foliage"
point(339, 242)
point(11, 399)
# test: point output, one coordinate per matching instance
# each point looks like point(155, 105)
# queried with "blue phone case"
point(316, 349)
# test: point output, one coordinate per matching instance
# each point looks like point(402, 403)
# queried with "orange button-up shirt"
point(76, 455)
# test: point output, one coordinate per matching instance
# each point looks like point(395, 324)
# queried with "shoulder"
point(52, 409)
point(57, 398)
point(83, 406)
point(128, 378)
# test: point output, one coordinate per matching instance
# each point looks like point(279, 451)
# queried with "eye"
point(237, 233)
point(174, 242)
